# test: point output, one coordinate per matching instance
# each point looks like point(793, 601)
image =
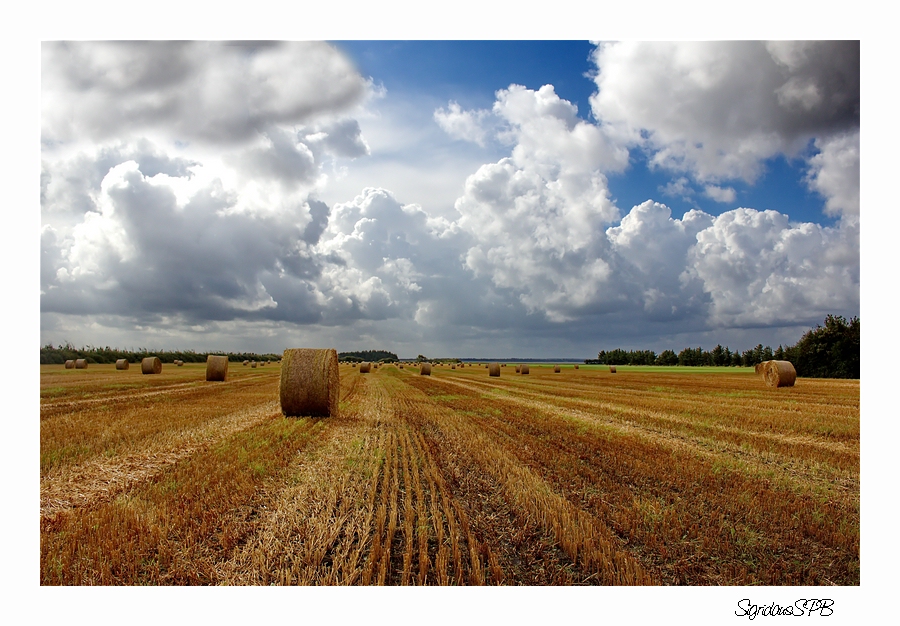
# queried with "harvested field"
point(649, 477)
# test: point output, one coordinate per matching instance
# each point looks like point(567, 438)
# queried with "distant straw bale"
point(245, 363)
point(365, 367)
point(780, 374)
point(70, 364)
point(310, 382)
point(151, 365)
point(425, 370)
point(494, 369)
point(518, 368)
point(576, 366)
point(216, 368)
point(121, 364)
point(252, 363)
point(81, 364)
point(556, 369)
point(453, 366)
point(612, 369)
point(523, 369)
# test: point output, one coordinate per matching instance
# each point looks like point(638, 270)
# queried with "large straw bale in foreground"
point(151, 365)
point(494, 369)
point(80, 364)
point(365, 368)
point(121, 364)
point(523, 369)
point(310, 382)
point(779, 374)
point(426, 369)
point(70, 364)
point(216, 368)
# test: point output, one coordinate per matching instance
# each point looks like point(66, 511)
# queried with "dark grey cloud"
point(191, 91)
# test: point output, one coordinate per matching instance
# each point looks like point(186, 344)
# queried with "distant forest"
point(829, 351)
point(368, 355)
point(93, 354)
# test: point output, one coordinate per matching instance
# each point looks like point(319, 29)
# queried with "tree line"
point(829, 351)
point(92, 354)
point(360, 356)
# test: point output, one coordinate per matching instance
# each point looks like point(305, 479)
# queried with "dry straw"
point(216, 368)
point(252, 363)
point(70, 364)
point(453, 366)
point(524, 369)
point(779, 374)
point(494, 369)
point(151, 365)
point(518, 369)
point(612, 369)
point(245, 363)
point(310, 382)
point(556, 369)
point(179, 362)
point(121, 364)
point(426, 369)
point(759, 367)
point(80, 364)
point(365, 367)
point(576, 366)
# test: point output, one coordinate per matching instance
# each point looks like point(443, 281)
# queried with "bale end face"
point(151, 365)
point(779, 374)
point(310, 382)
point(70, 364)
point(216, 368)
point(122, 364)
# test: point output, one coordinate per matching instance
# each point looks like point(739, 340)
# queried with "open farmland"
point(646, 476)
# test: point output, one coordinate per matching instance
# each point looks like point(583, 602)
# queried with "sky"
point(534, 199)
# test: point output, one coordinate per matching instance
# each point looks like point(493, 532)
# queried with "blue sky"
point(470, 198)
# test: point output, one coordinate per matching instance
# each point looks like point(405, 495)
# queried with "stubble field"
point(641, 477)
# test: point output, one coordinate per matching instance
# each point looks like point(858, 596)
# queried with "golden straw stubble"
point(151, 365)
point(310, 382)
point(216, 368)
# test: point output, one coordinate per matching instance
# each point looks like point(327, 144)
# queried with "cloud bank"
point(180, 187)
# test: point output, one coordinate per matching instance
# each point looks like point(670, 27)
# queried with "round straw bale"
point(612, 369)
point(365, 367)
point(354, 365)
point(518, 369)
point(70, 364)
point(401, 366)
point(151, 365)
point(576, 366)
point(216, 367)
point(80, 364)
point(426, 369)
point(310, 382)
point(494, 369)
point(245, 363)
point(252, 363)
point(780, 374)
point(524, 369)
point(759, 367)
point(556, 369)
point(121, 364)
point(179, 362)
point(453, 366)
